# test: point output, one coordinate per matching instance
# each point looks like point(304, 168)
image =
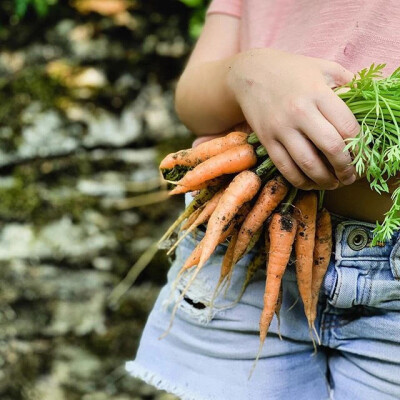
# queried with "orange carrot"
point(197, 202)
point(225, 266)
point(204, 151)
point(194, 259)
point(304, 246)
point(231, 161)
point(193, 217)
point(257, 261)
point(179, 189)
point(278, 310)
point(322, 255)
point(282, 231)
point(241, 190)
point(271, 195)
point(202, 217)
point(253, 241)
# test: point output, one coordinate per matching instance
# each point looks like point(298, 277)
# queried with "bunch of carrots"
point(241, 197)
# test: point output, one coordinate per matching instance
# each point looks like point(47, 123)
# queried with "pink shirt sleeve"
point(230, 7)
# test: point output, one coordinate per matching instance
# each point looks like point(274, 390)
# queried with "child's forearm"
point(287, 99)
point(203, 99)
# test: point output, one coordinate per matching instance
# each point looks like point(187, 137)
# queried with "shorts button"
point(358, 238)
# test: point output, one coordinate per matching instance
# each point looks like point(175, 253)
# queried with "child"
point(273, 63)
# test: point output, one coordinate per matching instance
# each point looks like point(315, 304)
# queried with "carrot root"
point(241, 190)
point(278, 310)
point(304, 247)
point(273, 192)
point(252, 268)
point(321, 258)
point(316, 333)
point(192, 218)
point(231, 161)
point(197, 202)
point(282, 232)
point(194, 156)
point(294, 304)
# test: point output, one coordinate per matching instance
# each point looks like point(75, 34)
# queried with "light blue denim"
point(208, 356)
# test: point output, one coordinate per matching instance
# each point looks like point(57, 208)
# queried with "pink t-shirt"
point(354, 33)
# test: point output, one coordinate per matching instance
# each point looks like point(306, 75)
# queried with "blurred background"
point(86, 114)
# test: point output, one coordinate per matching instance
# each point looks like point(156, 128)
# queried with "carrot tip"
point(163, 335)
point(279, 326)
point(256, 360)
point(293, 305)
point(313, 341)
point(316, 333)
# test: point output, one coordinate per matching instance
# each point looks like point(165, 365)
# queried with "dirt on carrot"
point(321, 258)
point(270, 196)
point(282, 232)
point(241, 190)
point(232, 161)
point(204, 151)
point(306, 206)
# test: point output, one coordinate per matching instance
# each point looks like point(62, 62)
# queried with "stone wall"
point(86, 113)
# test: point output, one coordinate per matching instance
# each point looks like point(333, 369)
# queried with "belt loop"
point(338, 232)
point(345, 295)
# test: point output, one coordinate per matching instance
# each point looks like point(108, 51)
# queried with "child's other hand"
point(288, 101)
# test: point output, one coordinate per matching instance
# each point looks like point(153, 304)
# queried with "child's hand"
point(288, 100)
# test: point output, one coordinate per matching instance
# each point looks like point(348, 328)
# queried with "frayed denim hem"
point(138, 371)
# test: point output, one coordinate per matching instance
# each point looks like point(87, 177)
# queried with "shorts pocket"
point(200, 296)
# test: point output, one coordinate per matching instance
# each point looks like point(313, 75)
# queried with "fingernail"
point(334, 185)
point(350, 180)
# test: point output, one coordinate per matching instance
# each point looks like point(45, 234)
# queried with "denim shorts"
point(208, 355)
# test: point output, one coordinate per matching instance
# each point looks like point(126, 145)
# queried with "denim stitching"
point(369, 292)
point(338, 287)
point(362, 290)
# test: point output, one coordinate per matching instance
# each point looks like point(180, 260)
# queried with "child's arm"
point(286, 98)
point(203, 99)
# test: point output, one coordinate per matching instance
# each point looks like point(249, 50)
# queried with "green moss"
point(73, 206)
point(19, 201)
point(24, 202)
point(17, 93)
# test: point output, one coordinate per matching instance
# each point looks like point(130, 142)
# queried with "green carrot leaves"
point(375, 102)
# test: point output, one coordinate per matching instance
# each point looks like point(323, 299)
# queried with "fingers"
point(327, 139)
point(334, 109)
point(306, 156)
point(335, 74)
point(287, 167)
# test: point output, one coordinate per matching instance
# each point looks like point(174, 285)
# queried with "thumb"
point(337, 75)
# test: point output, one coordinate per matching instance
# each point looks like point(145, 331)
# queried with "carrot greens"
point(375, 102)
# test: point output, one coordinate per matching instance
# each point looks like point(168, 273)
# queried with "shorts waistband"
point(353, 239)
